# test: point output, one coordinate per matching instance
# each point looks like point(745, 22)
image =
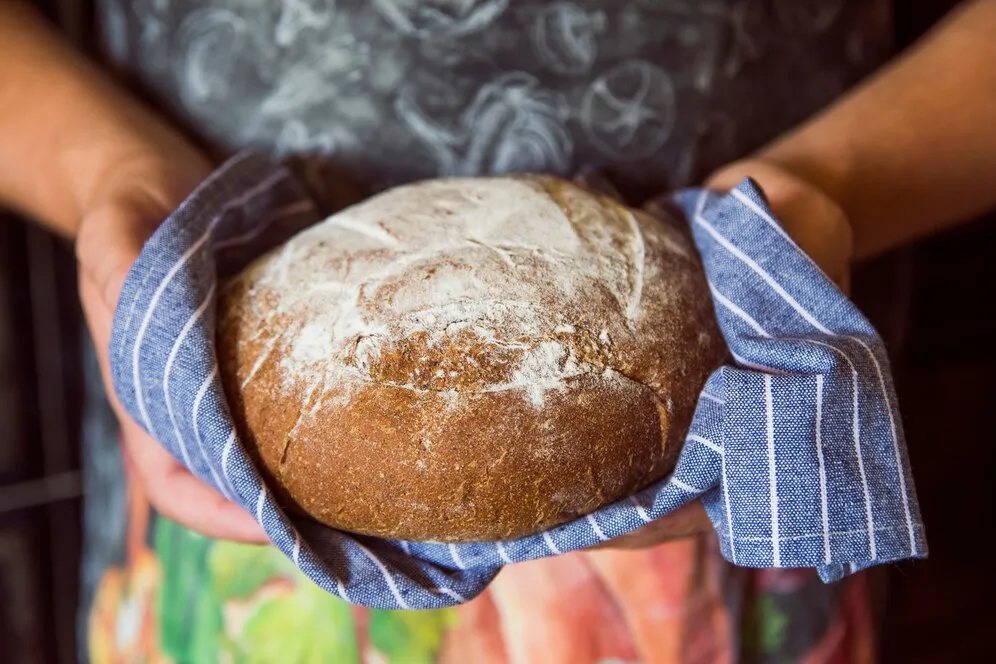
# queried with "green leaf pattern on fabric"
point(772, 622)
point(189, 615)
point(238, 570)
point(409, 637)
point(246, 604)
point(303, 626)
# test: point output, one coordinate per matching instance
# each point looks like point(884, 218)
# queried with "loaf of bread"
point(468, 359)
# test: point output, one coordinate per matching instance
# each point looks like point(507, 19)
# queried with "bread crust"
point(572, 388)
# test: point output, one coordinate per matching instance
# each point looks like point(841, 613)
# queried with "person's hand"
point(129, 201)
point(820, 227)
point(815, 221)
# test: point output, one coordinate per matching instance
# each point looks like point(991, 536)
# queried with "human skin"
point(909, 152)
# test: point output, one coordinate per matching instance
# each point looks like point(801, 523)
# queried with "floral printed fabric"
point(179, 597)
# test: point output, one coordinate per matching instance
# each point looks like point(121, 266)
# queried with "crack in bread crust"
point(468, 360)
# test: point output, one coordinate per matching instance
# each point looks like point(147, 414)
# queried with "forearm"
point(64, 127)
point(913, 150)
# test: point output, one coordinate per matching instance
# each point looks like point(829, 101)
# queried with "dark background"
point(944, 355)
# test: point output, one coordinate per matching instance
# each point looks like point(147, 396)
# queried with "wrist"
point(129, 170)
point(81, 136)
point(773, 166)
point(124, 149)
point(76, 128)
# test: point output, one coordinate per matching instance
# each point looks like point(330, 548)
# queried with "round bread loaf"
point(468, 359)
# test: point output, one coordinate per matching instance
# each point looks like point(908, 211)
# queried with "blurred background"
point(944, 354)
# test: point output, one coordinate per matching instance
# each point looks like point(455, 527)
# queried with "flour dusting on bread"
point(518, 265)
point(468, 359)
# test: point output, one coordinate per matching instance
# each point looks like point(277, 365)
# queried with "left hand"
point(820, 227)
point(813, 219)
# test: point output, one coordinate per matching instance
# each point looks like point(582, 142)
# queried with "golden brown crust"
point(436, 434)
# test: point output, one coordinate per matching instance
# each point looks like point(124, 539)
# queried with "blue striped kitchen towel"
point(796, 448)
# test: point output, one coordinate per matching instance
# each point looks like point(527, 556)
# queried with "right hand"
point(131, 199)
point(820, 227)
